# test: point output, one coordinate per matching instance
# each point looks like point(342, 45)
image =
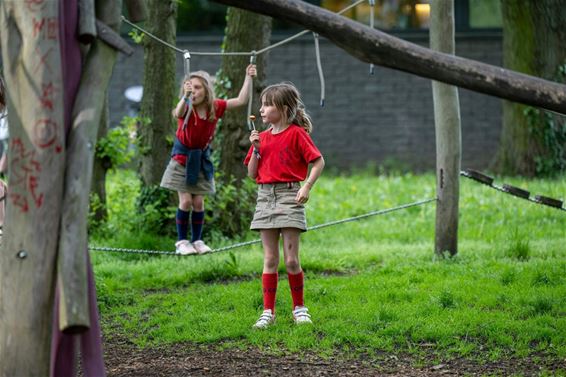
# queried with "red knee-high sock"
point(296, 283)
point(269, 283)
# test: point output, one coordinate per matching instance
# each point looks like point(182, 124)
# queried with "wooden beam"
point(373, 46)
point(87, 112)
point(112, 38)
point(87, 27)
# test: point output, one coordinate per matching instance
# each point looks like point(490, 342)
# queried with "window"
point(485, 14)
point(388, 14)
point(415, 14)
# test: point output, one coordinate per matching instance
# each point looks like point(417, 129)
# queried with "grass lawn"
point(371, 285)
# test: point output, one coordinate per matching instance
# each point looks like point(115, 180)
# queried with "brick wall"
point(385, 118)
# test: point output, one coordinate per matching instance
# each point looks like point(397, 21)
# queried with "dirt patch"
point(124, 359)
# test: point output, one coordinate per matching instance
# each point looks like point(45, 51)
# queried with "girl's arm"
point(242, 98)
point(181, 107)
point(316, 170)
point(252, 167)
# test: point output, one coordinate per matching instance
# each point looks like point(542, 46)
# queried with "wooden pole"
point(87, 25)
point(32, 68)
point(373, 46)
point(448, 135)
point(87, 112)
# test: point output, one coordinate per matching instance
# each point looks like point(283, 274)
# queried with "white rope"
point(319, 68)
point(251, 95)
point(234, 53)
point(371, 25)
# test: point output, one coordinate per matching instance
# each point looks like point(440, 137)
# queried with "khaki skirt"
point(276, 207)
point(174, 179)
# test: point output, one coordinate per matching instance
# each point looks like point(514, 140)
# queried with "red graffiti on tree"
point(47, 92)
point(43, 60)
point(35, 5)
point(44, 133)
point(46, 28)
point(24, 179)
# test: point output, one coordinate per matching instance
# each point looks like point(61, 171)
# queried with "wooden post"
point(32, 67)
point(87, 24)
point(448, 135)
point(374, 46)
point(87, 111)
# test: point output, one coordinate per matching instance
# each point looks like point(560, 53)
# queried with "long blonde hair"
point(287, 99)
point(206, 82)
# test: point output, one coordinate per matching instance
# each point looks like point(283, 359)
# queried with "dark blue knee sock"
point(197, 220)
point(182, 220)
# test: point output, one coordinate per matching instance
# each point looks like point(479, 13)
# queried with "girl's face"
point(198, 94)
point(269, 113)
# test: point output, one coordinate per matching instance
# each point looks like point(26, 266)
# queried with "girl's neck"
point(278, 128)
point(201, 109)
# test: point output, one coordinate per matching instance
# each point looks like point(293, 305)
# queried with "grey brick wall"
point(385, 118)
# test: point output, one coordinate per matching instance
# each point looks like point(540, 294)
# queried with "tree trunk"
point(159, 90)
point(373, 46)
point(245, 31)
point(533, 43)
point(448, 139)
point(32, 68)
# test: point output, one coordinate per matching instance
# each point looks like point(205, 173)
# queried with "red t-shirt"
point(199, 132)
point(285, 156)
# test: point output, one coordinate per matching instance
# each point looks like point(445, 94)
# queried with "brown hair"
point(206, 82)
point(287, 99)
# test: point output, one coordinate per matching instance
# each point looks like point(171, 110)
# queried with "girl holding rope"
point(190, 171)
point(278, 160)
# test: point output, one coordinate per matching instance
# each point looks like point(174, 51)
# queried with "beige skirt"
point(174, 179)
point(276, 207)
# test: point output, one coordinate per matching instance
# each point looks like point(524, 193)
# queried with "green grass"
point(371, 285)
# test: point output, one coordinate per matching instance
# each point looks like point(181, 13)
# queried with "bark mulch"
point(125, 359)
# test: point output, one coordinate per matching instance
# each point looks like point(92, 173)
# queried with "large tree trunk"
point(448, 140)
point(245, 31)
point(158, 91)
point(373, 46)
point(32, 68)
point(533, 43)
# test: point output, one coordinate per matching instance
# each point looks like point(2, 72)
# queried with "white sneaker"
point(265, 319)
point(184, 247)
point(201, 247)
point(301, 315)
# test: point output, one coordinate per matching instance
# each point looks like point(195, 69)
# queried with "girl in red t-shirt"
point(278, 160)
point(190, 171)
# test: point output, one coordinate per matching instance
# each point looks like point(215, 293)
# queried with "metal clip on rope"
point(187, 64)
point(319, 68)
point(251, 95)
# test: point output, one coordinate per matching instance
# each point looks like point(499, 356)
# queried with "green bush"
point(230, 210)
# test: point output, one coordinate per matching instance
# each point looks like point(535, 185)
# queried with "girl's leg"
point(197, 218)
point(291, 237)
point(270, 240)
point(183, 214)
